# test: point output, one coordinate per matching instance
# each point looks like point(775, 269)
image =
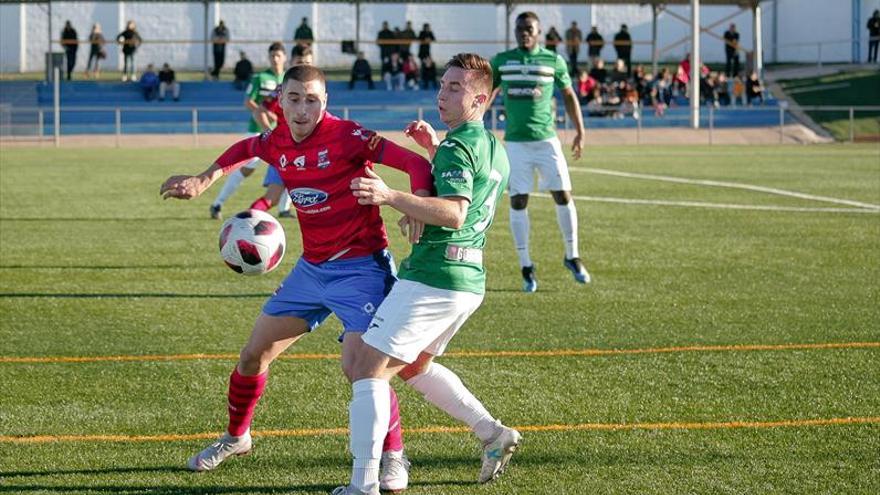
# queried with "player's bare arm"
point(190, 186)
point(573, 109)
point(444, 212)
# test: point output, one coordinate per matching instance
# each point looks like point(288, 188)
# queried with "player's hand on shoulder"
point(422, 133)
point(182, 187)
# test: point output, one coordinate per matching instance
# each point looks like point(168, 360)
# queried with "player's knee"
point(561, 198)
point(252, 362)
point(519, 201)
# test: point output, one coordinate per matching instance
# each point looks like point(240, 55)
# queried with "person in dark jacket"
point(130, 41)
point(243, 72)
point(168, 81)
point(385, 41)
point(595, 42)
point(407, 36)
point(429, 73)
point(96, 51)
point(70, 42)
point(552, 39)
point(873, 36)
point(623, 45)
point(303, 33)
point(220, 38)
point(426, 37)
point(361, 71)
point(731, 51)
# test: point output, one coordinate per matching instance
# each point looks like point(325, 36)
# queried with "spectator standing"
point(70, 42)
point(166, 81)
point(573, 39)
point(130, 40)
point(361, 71)
point(303, 34)
point(623, 46)
point(149, 83)
point(243, 71)
point(595, 43)
point(220, 38)
point(96, 51)
point(407, 37)
point(426, 37)
point(392, 72)
point(754, 90)
point(731, 51)
point(385, 41)
point(873, 36)
point(552, 39)
point(429, 73)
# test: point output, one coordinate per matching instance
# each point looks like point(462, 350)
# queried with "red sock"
point(394, 438)
point(244, 393)
point(262, 204)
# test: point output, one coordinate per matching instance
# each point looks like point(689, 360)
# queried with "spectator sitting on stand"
point(585, 86)
point(392, 72)
point(739, 91)
point(620, 72)
point(244, 70)
point(754, 90)
point(149, 83)
point(167, 80)
point(411, 72)
point(598, 72)
point(361, 71)
point(429, 73)
point(722, 90)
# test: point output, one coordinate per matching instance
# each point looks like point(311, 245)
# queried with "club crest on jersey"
point(300, 162)
point(305, 197)
point(323, 159)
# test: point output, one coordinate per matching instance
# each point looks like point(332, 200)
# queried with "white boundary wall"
point(801, 24)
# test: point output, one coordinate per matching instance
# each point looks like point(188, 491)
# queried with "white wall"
point(482, 25)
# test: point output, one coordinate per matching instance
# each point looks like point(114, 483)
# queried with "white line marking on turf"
point(723, 206)
point(729, 185)
point(821, 87)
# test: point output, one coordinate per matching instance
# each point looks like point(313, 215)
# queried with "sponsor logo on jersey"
point(362, 133)
point(534, 92)
point(456, 176)
point(323, 158)
point(282, 162)
point(305, 197)
point(300, 162)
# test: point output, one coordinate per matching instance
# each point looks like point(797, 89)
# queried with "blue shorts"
point(272, 177)
point(352, 288)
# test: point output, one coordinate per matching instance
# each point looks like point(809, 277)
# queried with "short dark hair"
point(304, 73)
point(276, 46)
point(300, 50)
point(472, 62)
point(528, 15)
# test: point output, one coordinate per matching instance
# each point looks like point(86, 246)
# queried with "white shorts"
point(416, 318)
point(544, 156)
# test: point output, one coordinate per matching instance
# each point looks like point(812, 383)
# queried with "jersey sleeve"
point(244, 150)
point(253, 89)
point(560, 75)
point(453, 170)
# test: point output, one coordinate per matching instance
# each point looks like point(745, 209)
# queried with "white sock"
point(444, 389)
point(233, 181)
point(519, 226)
point(567, 217)
point(369, 414)
point(284, 201)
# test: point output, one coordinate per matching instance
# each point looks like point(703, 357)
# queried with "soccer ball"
point(252, 242)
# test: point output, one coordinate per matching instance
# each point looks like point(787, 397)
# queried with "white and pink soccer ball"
point(252, 242)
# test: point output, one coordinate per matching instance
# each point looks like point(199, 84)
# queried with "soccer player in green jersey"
point(526, 77)
point(262, 86)
point(441, 283)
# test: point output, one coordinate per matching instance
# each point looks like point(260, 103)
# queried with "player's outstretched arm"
point(444, 212)
point(573, 109)
point(190, 186)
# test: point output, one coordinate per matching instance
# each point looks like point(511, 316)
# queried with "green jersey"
point(527, 81)
point(262, 86)
point(469, 163)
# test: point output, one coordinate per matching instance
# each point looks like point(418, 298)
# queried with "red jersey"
point(317, 173)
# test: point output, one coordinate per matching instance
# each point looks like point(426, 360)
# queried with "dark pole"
point(357, 28)
point(207, 39)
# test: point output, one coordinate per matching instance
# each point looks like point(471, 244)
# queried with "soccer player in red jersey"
point(344, 269)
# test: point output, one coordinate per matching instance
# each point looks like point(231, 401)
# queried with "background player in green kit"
point(441, 283)
point(526, 77)
point(262, 86)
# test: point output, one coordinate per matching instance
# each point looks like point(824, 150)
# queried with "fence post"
point(781, 125)
point(195, 126)
point(57, 105)
point(118, 126)
point(41, 132)
point(494, 119)
point(819, 55)
point(711, 125)
point(345, 113)
point(639, 109)
point(421, 113)
point(852, 125)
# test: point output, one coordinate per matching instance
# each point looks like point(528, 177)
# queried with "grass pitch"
point(736, 330)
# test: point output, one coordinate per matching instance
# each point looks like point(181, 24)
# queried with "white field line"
point(722, 206)
point(733, 185)
point(821, 87)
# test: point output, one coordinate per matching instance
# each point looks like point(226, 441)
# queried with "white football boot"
point(350, 490)
point(219, 451)
point(497, 452)
point(394, 476)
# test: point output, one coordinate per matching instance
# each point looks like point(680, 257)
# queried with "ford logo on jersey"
point(305, 197)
